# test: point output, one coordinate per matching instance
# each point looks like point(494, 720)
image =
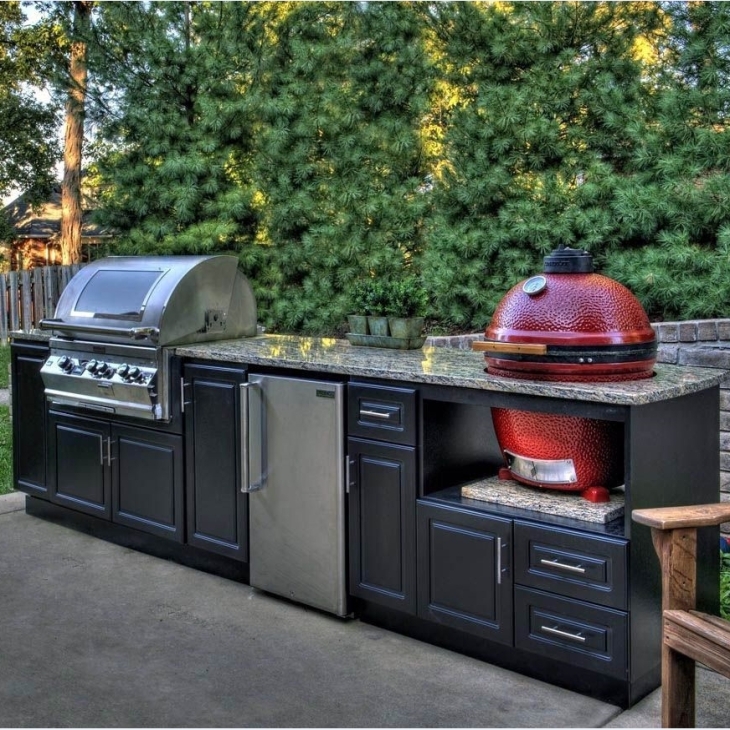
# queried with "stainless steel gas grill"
point(117, 319)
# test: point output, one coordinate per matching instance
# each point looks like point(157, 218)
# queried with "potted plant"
point(370, 299)
point(407, 301)
point(358, 322)
point(377, 307)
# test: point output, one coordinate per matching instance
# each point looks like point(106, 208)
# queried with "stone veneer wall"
point(702, 343)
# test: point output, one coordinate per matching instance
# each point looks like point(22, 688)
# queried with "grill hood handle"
point(134, 333)
point(511, 348)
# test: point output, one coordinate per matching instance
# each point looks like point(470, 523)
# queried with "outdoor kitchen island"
point(571, 596)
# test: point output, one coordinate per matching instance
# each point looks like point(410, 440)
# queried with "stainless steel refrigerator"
point(294, 473)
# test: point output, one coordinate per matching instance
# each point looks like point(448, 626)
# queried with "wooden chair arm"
point(672, 518)
point(674, 534)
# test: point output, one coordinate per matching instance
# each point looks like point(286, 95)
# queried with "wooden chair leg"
point(678, 689)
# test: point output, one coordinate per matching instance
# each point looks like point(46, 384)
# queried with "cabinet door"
point(147, 481)
point(29, 419)
point(464, 576)
point(382, 523)
point(78, 471)
point(217, 512)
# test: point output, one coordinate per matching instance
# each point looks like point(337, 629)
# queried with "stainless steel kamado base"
point(513, 494)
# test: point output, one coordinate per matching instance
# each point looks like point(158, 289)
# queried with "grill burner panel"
point(120, 380)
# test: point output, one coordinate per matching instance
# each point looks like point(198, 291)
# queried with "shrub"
point(725, 584)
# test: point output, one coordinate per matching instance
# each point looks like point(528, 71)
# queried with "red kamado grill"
point(567, 324)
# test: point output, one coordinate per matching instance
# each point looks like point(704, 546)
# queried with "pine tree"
point(340, 156)
point(678, 210)
point(28, 147)
point(551, 110)
point(174, 124)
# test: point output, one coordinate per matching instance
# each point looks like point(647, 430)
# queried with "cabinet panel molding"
point(29, 420)
point(382, 523)
point(217, 512)
point(79, 474)
point(147, 490)
point(464, 573)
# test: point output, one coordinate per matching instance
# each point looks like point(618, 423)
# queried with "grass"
point(725, 585)
point(6, 434)
point(4, 362)
point(6, 451)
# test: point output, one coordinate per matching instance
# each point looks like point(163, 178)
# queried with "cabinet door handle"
point(499, 561)
point(183, 402)
point(109, 450)
point(563, 566)
point(564, 634)
point(101, 450)
point(376, 414)
point(501, 545)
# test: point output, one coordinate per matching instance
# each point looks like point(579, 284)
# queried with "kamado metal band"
point(572, 354)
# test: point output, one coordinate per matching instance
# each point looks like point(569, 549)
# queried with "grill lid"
point(156, 301)
point(569, 324)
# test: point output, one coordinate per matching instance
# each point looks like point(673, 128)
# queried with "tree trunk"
point(74, 138)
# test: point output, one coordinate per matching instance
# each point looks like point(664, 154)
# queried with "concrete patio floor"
point(95, 634)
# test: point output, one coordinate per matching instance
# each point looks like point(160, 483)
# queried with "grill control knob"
point(133, 373)
point(91, 366)
point(64, 362)
point(100, 368)
point(122, 370)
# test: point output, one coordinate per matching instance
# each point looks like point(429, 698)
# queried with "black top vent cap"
point(566, 260)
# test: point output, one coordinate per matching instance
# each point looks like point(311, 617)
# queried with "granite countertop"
point(442, 366)
point(434, 365)
point(37, 335)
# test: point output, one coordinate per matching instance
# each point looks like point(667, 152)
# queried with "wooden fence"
point(26, 297)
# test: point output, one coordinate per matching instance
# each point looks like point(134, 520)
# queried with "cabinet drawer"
point(572, 564)
point(385, 414)
point(571, 631)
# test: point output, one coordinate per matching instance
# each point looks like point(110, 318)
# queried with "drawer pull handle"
point(376, 414)
point(563, 634)
point(563, 566)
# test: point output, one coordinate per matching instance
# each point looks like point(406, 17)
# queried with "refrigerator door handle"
point(246, 485)
point(243, 431)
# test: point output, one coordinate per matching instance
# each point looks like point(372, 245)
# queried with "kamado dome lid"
point(570, 324)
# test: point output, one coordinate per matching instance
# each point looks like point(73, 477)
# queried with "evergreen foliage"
point(28, 147)
point(340, 161)
point(678, 260)
point(540, 146)
point(332, 143)
point(174, 125)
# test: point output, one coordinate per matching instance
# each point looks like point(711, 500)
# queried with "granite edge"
point(407, 366)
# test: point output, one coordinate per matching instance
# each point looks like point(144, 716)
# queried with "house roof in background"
point(44, 220)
